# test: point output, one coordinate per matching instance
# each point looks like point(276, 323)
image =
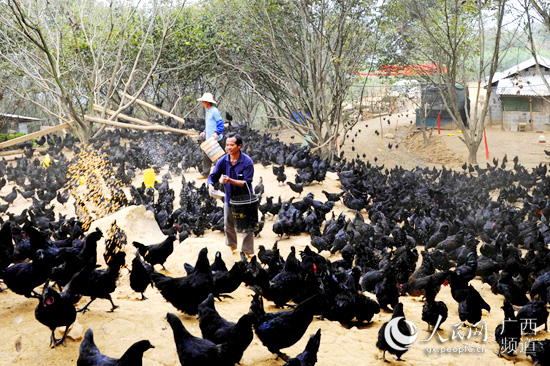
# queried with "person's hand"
point(210, 188)
point(203, 134)
point(215, 135)
point(224, 179)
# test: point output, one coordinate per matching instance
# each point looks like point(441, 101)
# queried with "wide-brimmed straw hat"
point(207, 97)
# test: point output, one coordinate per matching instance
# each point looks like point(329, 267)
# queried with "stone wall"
point(495, 109)
point(541, 120)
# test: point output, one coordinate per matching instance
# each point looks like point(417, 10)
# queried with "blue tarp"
point(446, 122)
point(298, 117)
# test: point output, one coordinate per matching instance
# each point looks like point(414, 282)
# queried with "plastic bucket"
point(245, 212)
point(212, 149)
point(149, 178)
point(47, 161)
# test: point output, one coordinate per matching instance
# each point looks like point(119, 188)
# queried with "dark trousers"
point(206, 165)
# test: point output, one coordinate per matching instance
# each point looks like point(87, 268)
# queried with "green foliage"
point(9, 136)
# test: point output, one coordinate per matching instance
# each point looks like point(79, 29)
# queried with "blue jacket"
point(213, 122)
point(244, 166)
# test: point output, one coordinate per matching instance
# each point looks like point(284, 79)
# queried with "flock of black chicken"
point(490, 223)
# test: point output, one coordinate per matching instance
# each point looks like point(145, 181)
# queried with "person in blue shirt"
point(213, 126)
point(235, 171)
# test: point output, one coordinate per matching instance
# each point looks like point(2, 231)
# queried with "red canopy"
point(394, 70)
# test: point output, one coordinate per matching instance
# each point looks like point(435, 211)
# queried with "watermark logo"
point(477, 329)
point(395, 338)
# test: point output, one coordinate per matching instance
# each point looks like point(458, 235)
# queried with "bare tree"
point(301, 58)
point(543, 9)
point(79, 54)
point(452, 36)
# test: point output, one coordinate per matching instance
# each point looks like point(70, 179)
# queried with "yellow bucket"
point(47, 161)
point(212, 149)
point(149, 178)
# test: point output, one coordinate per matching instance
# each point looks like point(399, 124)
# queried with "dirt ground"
point(26, 342)
point(445, 149)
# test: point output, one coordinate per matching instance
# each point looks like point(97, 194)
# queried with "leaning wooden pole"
point(137, 127)
point(34, 135)
point(155, 108)
point(123, 116)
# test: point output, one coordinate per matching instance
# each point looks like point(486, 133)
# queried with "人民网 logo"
point(395, 338)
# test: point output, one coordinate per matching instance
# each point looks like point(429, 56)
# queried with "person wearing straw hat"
point(235, 171)
point(213, 127)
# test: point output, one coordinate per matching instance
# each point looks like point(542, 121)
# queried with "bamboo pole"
point(155, 108)
point(9, 153)
point(125, 117)
point(36, 134)
point(136, 127)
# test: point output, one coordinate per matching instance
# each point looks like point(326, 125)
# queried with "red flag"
point(486, 146)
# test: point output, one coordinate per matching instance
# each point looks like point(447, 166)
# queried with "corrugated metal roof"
point(524, 86)
point(15, 117)
point(543, 62)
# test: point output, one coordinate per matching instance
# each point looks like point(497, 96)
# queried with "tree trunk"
point(83, 132)
point(472, 154)
point(473, 147)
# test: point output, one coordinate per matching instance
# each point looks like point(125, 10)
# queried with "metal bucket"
point(212, 149)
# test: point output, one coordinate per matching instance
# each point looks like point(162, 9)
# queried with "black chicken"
point(309, 356)
point(259, 189)
point(186, 293)
point(6, 246)
point(298, 187)
point(539, 351)
point(139, 276)
point(23, 278)
point(10, 197)
point(99, 283)
point(353, 203)
point(320, 243)
point(55, 310)
point(282, 329)
point(508, 334)
point(433, 312)
point(334, 197)
point(397, 321)
point(194, 351)
point(418, 286)
point(387, 292)
point(265, 255)
point(156, 253)
point(459, 287)
point(62, 197)
point(219, 264)
point(90, 356)
point(348, 303)
point(470, 309)
point(226, 282)
point(26, 194)
point(286, 284)
point(535, 310)
point(540, 286)
point(281, 176)
point(512, 292)
point(218, 330)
